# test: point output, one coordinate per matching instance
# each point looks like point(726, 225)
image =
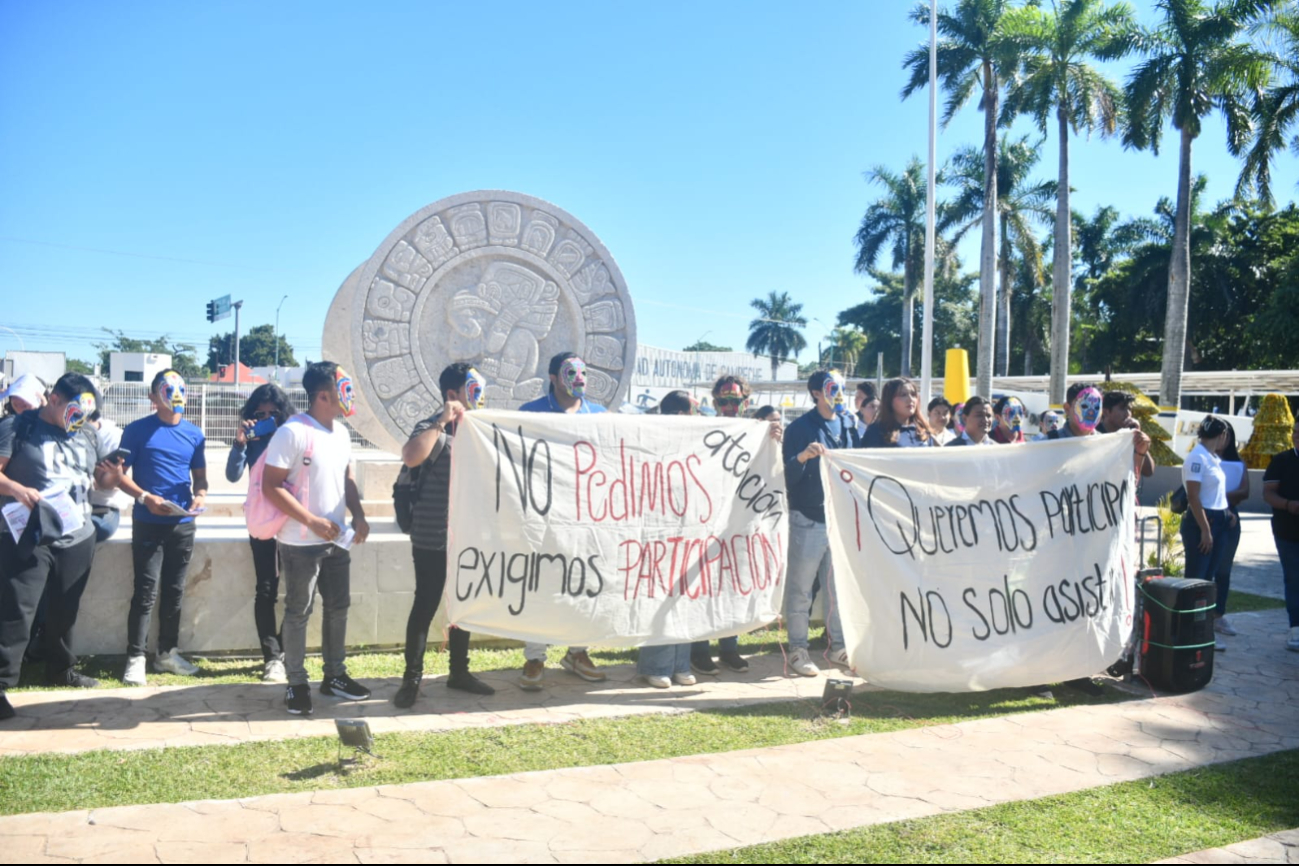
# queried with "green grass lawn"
point(59, 783)
point(1132, 822)
point(1244, 602)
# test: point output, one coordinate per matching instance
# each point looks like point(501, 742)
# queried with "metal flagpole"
point(927, 334)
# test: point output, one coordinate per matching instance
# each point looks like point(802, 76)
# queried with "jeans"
point(430, 581)
point(1288, 551)
point(1222, 575)
point(305, 569)
point(809, 548)
point(161, 552)
point(724, 645)
point(663, 661)
point(536, 652)
point(65, 572)
point(1203, 566)
point(106, 521)
point(267, 568)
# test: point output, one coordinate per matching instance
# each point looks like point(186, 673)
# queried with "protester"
point(811, 435)
point(899, 423)
point(23, 394)
point(1281, 491)
point(168, 482)
point(315, 449)
point(767, 413)
point(940, 416)
point(1204, 527)
point(566, 395)
point(663, 665)
point(1237, 478)
point(265, 411)
point(1082, 412)
point(1010, 415)
point(41, 451)
point(429, 451)
point(106, 505)
point(976, 422)
point(867, 404)
point(1050, 420)
point(1116, 415)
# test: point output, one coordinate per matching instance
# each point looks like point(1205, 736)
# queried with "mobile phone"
point(264, 427)
point(120, 454)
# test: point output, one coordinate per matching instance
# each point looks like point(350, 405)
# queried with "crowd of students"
point(300, 467)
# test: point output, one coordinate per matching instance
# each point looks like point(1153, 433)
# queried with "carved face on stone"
point(572, 377)
point(1087, 409)
point(346, 396)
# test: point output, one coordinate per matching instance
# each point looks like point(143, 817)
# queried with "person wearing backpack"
point(265, 412)
point(307, 475)
point(42, 449)
point(427, 457)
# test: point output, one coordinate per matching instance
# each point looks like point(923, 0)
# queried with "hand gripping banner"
point(614, 530)
point(964, 569)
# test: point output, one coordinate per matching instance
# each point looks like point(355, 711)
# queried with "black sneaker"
point(6, 708)
point(467, 682)
point(344, 687)
point(735, 662)
point(297, 700)
point(703, 663)
point(409, 691)
point(72, 679)
point(1043, 692)
point(1087, 686)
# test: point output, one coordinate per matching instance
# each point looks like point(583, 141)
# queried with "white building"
point(136, 366)
point(46, 366)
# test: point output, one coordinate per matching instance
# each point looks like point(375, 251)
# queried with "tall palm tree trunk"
point(775, 366)
point(1179, 285)
point(988, 247)
point(1003, 302)
point(1061, 273)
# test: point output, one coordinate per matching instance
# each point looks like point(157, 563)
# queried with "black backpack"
point(405, 493)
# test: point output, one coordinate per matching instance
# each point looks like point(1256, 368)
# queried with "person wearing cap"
point(44, 451)
point(168, 482)
point(565, 396)
point(23, 394)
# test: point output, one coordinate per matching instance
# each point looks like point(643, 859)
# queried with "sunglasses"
point(729, 401)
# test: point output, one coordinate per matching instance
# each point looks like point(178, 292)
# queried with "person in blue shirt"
point(826, 427)
point(168, 469)
point(267, 404)
point(567, 395)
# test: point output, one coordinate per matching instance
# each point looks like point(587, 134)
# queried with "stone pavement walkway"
point(1277, 848)
point(654, 809)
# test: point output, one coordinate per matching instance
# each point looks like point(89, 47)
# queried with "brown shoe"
point(581, 664)
point(533, 677)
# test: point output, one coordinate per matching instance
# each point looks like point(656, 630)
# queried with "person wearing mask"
point(661, 666)
point(429, 450)
point(566, 395)
point(265, 411)
point(899, 423)
point(1281, 491)
point(822, 429)
point(42, 450)
point(1010, 416)
point(1204, 534)
point(168, 482)
point(1237, 486)
point(867, 404)
point(23, 395)
point(940, 416)
point(976, 422)
point(106, 505)
point(314, 450)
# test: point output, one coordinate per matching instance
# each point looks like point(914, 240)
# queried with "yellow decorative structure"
point(956, 377)
point(1144, 410)
point(1272, 427)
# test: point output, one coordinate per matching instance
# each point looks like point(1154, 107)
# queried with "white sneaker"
point(134, 675)
point(274, 672)
point(1224, 626)
point(801, 663)
point(684, 679)
point(1293, 643)
point(840, 657)
point(172, 662)
point(659, 682)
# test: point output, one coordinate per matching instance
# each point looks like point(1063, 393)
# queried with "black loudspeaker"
point(1177, 633)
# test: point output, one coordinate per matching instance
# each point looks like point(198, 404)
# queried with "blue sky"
point(156, 155)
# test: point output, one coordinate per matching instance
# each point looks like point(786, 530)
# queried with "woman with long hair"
point(899, 422)
point(266, 402)
point(1205, 524)
point(1237, 492)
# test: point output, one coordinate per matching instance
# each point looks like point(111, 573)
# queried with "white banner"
point(614, 530)
point(964, 569)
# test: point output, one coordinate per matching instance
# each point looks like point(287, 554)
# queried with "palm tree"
point(973, 54)
point(1021, 205)
point(850, 343)
point(1276, 113)
point(1056, 81)
point(1195, 64)
point(777, 330)
point(899, 219)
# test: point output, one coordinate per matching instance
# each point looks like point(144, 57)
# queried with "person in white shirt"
point(940, 419)
point(106, 505)
point(1237, 476)
point(1204, 526)
point(976, 415)
point(314, 542)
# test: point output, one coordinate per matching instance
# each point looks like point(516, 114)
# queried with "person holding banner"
point(429, 447)
point(940, 417)
point(1010, 415)
point(566, 395)
point(899, 423)
point(868, 406)
point(1116, 415)
point(818, 431)
point(976, 421)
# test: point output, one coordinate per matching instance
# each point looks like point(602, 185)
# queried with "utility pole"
point(277, 337)
point(927, 337)
point(238, 305)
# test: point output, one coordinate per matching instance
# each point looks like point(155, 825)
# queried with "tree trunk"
point(1003, 301)
point(1179, 286)
point(988, 247)
point(775, 365)
point(908, 307)
point(1062, 272)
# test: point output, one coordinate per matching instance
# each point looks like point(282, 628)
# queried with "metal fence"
point(214, 408)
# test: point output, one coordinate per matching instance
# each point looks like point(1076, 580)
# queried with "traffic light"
point(211, 311)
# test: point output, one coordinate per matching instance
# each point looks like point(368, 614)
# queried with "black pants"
point(430, 580)
point(267, 568)
point(161, 552)
point(22, 582)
